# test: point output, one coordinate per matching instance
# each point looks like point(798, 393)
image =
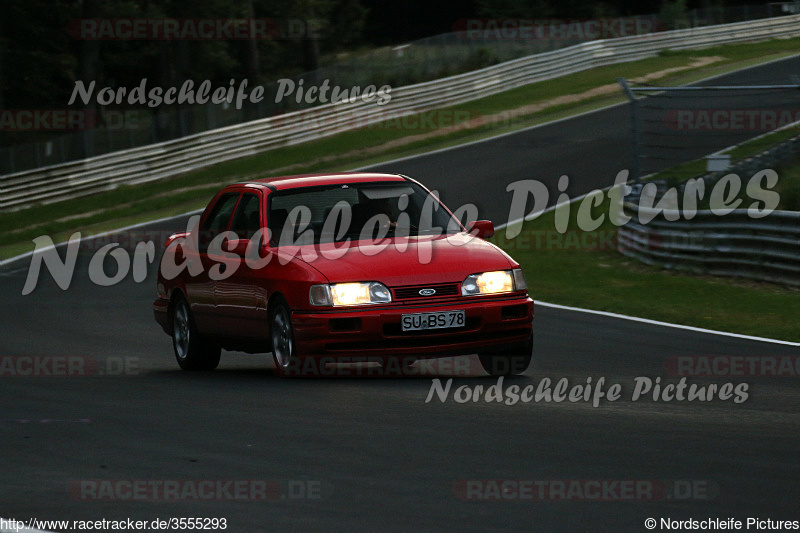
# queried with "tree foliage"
point(40, 61)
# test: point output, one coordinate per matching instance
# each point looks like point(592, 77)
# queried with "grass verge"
point(584, 269)
point(697, 167)
point(789, 185)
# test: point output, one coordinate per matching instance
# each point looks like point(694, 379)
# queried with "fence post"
point(635, 133)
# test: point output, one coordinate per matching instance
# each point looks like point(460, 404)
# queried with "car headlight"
point(494, 282)
point(340, 294)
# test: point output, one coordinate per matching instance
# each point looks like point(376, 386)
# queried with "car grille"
point(412, 292)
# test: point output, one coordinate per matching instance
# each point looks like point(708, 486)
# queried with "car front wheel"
point(283, 350)
point(192, 351)
point(511, 362)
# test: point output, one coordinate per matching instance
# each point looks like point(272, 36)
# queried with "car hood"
point(404, 260)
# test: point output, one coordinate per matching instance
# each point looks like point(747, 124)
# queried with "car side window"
point(217, 220)
point(247, 219)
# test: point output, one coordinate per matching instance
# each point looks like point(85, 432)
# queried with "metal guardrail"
point(736, 244)
point(766, 249)
point(157, 161)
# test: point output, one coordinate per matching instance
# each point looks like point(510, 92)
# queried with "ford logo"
point(427, 292)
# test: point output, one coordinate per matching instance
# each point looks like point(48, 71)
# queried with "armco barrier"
point(735, 244)
point(765, 249)
point(157, 161)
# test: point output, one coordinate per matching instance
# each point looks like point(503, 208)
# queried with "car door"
point(241, 299)
point(200, 288)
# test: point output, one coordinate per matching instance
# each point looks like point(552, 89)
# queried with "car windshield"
point(356, 211)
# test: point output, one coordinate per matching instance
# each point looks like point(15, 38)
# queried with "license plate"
point(422, 321)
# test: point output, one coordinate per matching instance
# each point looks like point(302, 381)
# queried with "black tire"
point(511, 362)
point(284, 353)
point(192, 351)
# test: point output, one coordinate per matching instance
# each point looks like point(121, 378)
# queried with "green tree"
point(673, 14)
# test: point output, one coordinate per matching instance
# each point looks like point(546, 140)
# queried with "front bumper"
point(491, 322)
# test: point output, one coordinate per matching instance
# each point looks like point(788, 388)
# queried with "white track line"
point(665, 324)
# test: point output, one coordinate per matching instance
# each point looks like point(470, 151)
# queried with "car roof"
point(311, 180)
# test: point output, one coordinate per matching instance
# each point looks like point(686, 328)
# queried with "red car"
point(346, 266)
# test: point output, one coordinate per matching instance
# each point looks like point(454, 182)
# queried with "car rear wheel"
point(283, 350)
point(192, 351)
point(510, 362)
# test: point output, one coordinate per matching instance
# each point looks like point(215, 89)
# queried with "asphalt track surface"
point(383, 459)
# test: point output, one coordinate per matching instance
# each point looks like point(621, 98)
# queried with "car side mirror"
point(483, 229)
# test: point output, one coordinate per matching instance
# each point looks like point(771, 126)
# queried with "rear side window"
point(247, 219)
point(217, 220)
point(221, 212)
